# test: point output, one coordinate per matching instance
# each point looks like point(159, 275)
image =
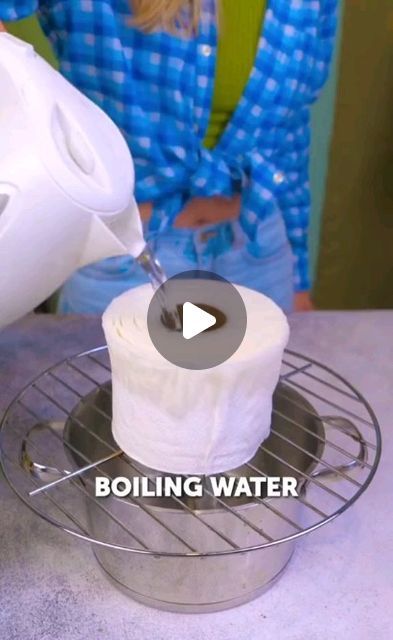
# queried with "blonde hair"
point(172, 15)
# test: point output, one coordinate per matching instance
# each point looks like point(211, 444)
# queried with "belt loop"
point(239, 238)
point(204, 259)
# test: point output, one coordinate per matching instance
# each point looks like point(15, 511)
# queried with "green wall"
point(30, 31)
point(355, 266)
point(323, 118)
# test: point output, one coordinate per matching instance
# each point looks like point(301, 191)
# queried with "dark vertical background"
point(355, 265)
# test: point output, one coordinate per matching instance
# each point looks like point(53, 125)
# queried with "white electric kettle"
point(66, 182)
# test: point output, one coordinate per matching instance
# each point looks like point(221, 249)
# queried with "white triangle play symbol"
point(195, 320)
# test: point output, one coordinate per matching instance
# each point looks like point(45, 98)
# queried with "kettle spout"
point(114, 235)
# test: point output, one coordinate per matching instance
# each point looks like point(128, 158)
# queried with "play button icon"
point(196, 320)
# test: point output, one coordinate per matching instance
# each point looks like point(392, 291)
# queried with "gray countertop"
point(339, 584)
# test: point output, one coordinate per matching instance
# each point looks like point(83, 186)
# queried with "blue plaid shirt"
point(158, 89)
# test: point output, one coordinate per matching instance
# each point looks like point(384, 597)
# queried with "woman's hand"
point(303, 301)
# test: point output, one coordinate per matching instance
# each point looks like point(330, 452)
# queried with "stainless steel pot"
point(178, 562)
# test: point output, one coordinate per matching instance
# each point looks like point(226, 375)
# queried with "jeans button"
point(207, 235)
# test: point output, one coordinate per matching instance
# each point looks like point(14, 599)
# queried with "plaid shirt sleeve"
point(295, 199)
point(17, 9)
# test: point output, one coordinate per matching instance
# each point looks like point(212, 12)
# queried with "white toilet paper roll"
point(184, 421)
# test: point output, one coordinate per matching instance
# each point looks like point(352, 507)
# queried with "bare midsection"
point(201, 211)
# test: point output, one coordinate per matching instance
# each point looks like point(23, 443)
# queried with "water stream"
point(151, 266)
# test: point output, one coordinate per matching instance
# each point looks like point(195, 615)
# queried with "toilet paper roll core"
point(217, 313)
point(213, 295)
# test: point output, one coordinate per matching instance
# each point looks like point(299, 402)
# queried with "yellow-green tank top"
point(240, 26)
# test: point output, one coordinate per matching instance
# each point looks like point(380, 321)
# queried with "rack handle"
point(40, 471)
point(346, 426)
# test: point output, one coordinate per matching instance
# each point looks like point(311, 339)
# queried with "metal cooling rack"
point(33, 450)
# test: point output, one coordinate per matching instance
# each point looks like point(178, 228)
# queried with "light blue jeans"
point(265, 265)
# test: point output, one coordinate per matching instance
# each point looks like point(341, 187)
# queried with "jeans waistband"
point(216, 237)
